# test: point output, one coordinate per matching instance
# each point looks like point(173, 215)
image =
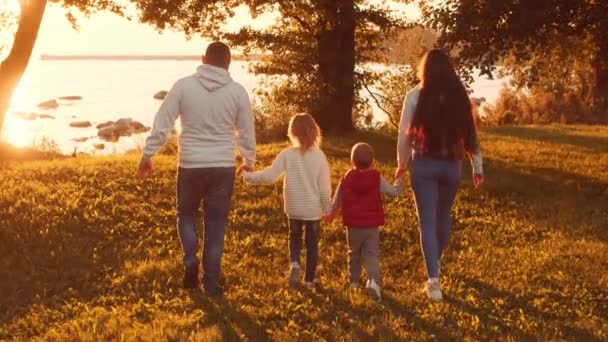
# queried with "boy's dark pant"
point(311, 237)
point(363, 245)
point(213, 187)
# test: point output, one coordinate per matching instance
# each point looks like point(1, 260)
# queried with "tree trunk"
point(13, 67)
point(600, 89)
point(337, 68)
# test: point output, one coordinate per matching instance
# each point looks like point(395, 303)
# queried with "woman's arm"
point(268, 175)
point(404, 149)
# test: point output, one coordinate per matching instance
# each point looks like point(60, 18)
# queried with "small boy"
point(359, 197)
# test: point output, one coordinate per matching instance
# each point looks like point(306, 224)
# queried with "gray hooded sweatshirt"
point(215, 115)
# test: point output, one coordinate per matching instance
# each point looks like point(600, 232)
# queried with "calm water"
point(112, 90)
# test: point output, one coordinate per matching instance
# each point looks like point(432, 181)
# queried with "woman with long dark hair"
point(436, 130)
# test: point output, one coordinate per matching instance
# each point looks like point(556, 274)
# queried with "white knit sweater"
point(306, 182)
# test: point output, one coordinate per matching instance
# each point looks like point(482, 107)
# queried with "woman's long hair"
point(443, 118)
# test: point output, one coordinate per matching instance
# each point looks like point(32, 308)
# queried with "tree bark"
point(337, 68)
point(600, 88)
point(13, 67)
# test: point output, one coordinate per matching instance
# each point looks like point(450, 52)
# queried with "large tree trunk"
point(13, 67)
point(337, 68)
point(600, 89)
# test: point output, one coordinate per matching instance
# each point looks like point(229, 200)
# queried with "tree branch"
point(295, 17)
point(373, 95)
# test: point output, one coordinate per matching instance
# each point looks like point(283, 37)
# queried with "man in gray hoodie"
point(216, 117)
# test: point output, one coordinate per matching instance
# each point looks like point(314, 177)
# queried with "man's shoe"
point(191, 278)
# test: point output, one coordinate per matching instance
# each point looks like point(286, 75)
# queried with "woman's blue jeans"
point(435, 183)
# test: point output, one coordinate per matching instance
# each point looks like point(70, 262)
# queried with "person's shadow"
point(233, 324)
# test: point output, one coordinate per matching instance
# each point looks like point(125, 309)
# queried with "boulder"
point(81, 124)
point(71, 97)
point(161, 95)
point(99, 146)
point(50, 104)
point(112, 131)
point(104, 125)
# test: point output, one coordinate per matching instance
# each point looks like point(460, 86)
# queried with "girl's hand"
point(400, 172)
point(477, 180)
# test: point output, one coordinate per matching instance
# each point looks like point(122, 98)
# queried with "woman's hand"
point(477, 180)
point(244, 168)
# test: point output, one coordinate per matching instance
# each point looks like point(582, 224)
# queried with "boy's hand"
point(145, 167)
point(477, 180)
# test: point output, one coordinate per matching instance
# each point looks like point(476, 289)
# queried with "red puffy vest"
point(361, 199)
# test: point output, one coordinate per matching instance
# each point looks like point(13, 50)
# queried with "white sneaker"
point(373, 289)
point(294, 273)
point(433, 291)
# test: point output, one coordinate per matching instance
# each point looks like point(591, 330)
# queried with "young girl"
point(306, 191)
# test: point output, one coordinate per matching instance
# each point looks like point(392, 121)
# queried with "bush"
point(519, 107)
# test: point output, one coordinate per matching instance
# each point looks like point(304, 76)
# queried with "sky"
point(98, 35)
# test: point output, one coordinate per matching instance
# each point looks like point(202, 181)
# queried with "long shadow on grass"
point(223, 314)
point(546, 134)
point(571, 203)
point(363, 314)
point(513, 304)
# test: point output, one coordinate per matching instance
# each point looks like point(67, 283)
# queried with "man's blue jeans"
point(435, 183)
point(212, 186)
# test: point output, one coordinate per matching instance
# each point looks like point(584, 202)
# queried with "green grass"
point(89, 252)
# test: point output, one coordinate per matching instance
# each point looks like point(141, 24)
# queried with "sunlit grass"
point(89, 252)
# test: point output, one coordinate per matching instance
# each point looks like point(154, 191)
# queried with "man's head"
point(217, 54)
point(362, 156)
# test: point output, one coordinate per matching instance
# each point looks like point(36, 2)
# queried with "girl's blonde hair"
point(304, 132)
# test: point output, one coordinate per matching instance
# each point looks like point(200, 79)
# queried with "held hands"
point(244, 168)
point(477, 180)
point(145, 167)
point(400, 172)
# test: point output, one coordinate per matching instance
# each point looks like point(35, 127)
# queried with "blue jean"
point(435, 183)
point(311, 237)
point(212, 186)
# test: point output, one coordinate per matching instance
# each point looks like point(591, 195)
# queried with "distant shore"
point(46, 57)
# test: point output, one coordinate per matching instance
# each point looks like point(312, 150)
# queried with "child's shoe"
point(373, 289)
point(294, 273)
point(433, 290)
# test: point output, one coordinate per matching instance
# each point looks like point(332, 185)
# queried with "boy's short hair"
point(362, 155)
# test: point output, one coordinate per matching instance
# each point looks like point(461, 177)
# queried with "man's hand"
point(145, 168)
point(400, 172)
point(477, 180)
point(246, 168)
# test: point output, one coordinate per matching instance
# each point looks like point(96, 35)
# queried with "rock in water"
point(45, 116)
point(50, 104)
point(83, 139)
point(81, 124)
point(161, 95)
point(71, 97)
point(104, 125)
point(99, 146)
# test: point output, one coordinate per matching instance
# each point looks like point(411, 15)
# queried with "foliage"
point(535, 107)
point(527, 39)
point(88, 252)
point(311, 50)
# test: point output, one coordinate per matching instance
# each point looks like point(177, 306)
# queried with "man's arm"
point(246, 130)
point(164, 121)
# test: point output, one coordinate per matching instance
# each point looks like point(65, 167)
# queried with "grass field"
point(89, 252)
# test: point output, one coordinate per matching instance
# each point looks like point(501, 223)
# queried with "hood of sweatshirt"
point(362, 181)
point(212, 78)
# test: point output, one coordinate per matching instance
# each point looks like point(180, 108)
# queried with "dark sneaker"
point(216, 291)
point(191, 278)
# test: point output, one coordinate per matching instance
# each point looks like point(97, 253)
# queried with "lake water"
point(111, 90)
